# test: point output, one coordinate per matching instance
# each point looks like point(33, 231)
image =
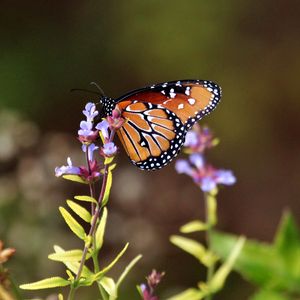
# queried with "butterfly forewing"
point(158, 117)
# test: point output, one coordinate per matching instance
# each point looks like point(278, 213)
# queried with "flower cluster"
point(88, 135)
point(152, 282)
point(204, 175)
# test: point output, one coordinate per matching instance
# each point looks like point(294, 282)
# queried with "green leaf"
point(100, 274)
point(194, 226)
point(80, 211)
point(47, 283)
point(101, 230)
point(72, 223)
point(67, 256)
point(287, 243)
point(75, 178)
point(195, 249)
point(107, 188)
point(108, 160)
point(260, 263)
point(111, 167)
point(269, 295)
point(74, 266)
point(218, 279)
point(127, 270)
point(109, 286)
point(86, 199)
point(189, 294)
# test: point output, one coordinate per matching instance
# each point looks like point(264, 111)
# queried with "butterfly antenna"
point(99, 88)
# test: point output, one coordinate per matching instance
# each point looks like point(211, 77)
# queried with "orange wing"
point(159, 116)
point(190, 100)
point(151, 136)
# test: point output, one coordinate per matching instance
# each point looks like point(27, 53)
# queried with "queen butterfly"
point(159, 116)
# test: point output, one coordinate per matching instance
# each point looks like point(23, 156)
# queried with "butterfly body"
point(159, 116)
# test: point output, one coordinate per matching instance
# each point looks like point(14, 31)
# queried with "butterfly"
point(159, 116)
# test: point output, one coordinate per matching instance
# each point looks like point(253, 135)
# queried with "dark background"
point(251, 48)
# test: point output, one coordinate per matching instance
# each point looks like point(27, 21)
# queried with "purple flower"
point(103, 127)
point(204, 175)
point(183, 167)
point(90, 148)
point(199, 139)
point(152, 282)
point(225, 177)
point(86, 132)
point(90, 111)
point(69, 169)
point(115, 120)
point(191, 139)
point(109, 149)
point(86, 128)
point(197, 159)
point(92, 173)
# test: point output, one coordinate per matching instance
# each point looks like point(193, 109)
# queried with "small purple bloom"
point(90, 148)
point(115, 121)
point(208, 184)
point(199, 139)
point(86, 132)
point(109, 149)
point(225, 177)
point(148, 289)
point(183, 167)
point(85, 128)
point(191, 139)
point(103, 127)
point(90, 111)
point(203, 174)
point(197, 160)
point(69, 169)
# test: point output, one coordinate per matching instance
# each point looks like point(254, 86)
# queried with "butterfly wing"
point(159, 116)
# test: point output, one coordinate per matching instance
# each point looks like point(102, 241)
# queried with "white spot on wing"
point(172, 95)
point(191, 101)
point(187, 91)
point(180, 106)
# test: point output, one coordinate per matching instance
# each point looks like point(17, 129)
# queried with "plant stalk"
point(210, 220)
point(93, 224)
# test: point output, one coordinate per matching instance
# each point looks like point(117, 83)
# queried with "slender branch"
point(93, 224)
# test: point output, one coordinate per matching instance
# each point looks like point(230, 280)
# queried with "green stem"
point(93, 228)
point(210, 220)
point(15, 288)
point(71, 293)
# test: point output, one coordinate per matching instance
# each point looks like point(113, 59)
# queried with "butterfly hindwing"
point(158, 117)
point(151, 135)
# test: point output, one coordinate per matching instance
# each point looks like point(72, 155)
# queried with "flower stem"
point(92, 230)
point(91, 233)
point(210, 212)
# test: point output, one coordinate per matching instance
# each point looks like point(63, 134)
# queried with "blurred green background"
point(251, 48)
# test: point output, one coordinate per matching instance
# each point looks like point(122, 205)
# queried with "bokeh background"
point(251, 48)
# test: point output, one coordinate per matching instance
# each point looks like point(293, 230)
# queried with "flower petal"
point(207, 184)
point(197, 160)
point(183, 167)
point(225, 177)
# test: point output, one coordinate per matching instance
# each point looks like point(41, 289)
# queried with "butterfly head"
point(108, 105)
